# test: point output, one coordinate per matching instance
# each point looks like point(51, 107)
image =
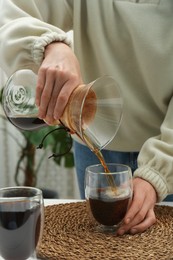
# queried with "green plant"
point(57, 142)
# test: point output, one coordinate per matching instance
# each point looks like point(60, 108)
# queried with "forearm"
point(156, 158)
point(23, 37)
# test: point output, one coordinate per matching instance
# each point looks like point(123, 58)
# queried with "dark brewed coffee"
point(109, 212)
point(19, 230)
point(27, 123)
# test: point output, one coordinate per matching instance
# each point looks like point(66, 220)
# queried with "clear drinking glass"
point(108, 195)
point(21, 222)
point(93, 112)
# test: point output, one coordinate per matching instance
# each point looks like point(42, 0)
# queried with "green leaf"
point(36, 137)
point(69, 160)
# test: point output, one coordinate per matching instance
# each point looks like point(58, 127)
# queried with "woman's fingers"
point(50, 75)
point(142, 220)
point(149, 220)
point(40, 86)
point(140, 215)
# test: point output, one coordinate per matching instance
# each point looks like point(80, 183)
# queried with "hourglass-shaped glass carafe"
point(93, 112)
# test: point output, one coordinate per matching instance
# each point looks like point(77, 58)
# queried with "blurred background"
point(56, 180)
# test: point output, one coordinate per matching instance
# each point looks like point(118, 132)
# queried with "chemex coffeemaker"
point(93, 112)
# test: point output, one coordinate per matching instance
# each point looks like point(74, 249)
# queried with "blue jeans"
point(84, 157)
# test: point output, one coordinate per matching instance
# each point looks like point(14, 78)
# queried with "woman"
point(130, 40)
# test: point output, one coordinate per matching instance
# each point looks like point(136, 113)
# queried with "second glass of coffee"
point(108, 194)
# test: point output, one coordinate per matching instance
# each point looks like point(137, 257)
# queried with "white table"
point(48, 202)
point(59, 201)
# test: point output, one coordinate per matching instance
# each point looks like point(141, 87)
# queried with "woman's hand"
point(58, 75)
point(140, 215)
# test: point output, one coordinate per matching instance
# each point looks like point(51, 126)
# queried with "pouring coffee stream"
point(93, 112)
point(99, 155)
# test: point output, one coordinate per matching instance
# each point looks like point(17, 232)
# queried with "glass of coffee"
point(21, 222)
point(108, 194)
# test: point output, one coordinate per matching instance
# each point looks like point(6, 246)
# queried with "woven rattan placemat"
point(69, 235)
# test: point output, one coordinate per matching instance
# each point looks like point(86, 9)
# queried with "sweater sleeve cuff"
point(155, 179)
point(47, 38)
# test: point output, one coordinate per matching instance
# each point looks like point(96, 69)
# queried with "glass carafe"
point(93, 112)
